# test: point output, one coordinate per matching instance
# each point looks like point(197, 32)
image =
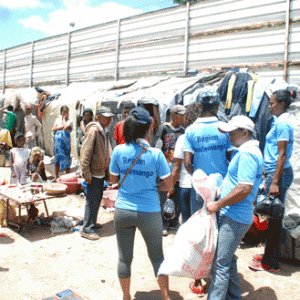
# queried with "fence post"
point(4, 66)
point(286, 44)
point(68, 59)
point(31, 65)
point(117, 51)
point(186, 42)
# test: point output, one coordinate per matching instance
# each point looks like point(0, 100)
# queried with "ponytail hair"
point(285, 96)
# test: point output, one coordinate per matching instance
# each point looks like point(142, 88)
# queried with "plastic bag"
point(193, 249)
point(169, 209)
point(271, 207)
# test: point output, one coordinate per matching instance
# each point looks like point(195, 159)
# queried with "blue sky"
point(23, 21)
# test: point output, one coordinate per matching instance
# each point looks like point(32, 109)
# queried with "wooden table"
point(17, 196)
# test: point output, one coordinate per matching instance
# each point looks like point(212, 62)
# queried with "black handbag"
point(169, 209)
point(271, 207)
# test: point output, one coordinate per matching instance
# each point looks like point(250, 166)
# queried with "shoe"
point(257, 257)
point(165, 232)
point(174, 227)
point(90, 236)
point(97, 226)
point(196, 289)
point(259, 266)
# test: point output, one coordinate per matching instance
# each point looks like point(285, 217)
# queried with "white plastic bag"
point(193, 249)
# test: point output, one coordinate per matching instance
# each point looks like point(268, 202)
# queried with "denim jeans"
point(225, 279)
point(196, 201)
point(273, 249)
point(185, 203)
point(93, 198)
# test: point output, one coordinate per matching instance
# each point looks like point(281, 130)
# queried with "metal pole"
point(186, 42)
point(117, 51)
point(4, 66)
point(31, 65)
point(68, 59)
point(286, 44)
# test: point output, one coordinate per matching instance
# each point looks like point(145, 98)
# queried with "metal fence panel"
point(220, 33)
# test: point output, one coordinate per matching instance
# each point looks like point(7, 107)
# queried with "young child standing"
point(19, 161)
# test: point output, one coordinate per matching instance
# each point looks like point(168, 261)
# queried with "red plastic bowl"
point(72, 187)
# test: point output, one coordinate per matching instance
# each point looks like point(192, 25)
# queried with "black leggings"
point(150, 226)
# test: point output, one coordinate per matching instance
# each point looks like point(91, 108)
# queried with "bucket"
point(84, 185)
point(70, 177)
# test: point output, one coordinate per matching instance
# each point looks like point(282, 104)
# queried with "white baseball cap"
point(235, 123)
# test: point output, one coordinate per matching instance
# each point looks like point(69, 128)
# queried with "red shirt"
point(119, 132)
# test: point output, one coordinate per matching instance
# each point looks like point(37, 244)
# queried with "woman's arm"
point(282, 149)
point(57, 127)
point(82, 127)
point(66, 126)
point(114, 179)
point(40, 167)
point(165, 185)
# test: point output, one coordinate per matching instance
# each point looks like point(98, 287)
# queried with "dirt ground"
point(36, 264)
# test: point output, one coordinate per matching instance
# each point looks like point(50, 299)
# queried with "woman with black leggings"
point(137, 205)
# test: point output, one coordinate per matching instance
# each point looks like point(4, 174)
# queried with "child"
point(19, 160)
point(37, 166)
point(4, 155)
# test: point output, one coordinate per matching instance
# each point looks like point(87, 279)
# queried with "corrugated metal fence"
point(177, 40)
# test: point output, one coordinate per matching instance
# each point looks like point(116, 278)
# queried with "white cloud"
point(19, 3)
point(81, 14)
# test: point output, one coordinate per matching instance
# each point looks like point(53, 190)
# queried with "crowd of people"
point(148, 172)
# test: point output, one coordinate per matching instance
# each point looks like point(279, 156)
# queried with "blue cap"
point(141, 115)
point(209, 97)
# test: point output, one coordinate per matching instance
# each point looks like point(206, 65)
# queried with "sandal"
point(196, 289)
point(257, 257)
point(259, 266)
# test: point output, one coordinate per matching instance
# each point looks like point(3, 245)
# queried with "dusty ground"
point(36, 264)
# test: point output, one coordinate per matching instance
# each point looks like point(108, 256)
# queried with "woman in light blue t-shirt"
point(279, 174)
point(137, 205)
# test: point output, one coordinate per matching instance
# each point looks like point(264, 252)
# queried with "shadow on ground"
point(34, 233)
point(156, 295)
point(249, 293)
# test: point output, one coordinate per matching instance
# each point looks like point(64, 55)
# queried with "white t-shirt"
point(58, 122)
point(185, 178)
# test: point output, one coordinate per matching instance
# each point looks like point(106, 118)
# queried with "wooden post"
point(286, 44)
point(4, 66)
point(186, 42)
point(31, 65)
point(68, 59)
point(117, 51)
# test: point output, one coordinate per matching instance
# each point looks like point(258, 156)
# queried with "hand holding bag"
point(271, 207)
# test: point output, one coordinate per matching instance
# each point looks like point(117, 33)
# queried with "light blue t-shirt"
point(246, 167)
point(139, 190)
point(208, 145)
point(281, 130)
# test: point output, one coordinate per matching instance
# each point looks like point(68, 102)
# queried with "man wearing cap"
point(94, 157)
point(32, 127)
point(207, 149)
point(235, 206)
point(165, 140)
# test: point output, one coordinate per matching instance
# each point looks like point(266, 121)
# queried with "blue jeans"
point(93, 198)
point(272, 251)
point(196, 201)
point(225, 279)
point(185, 203)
